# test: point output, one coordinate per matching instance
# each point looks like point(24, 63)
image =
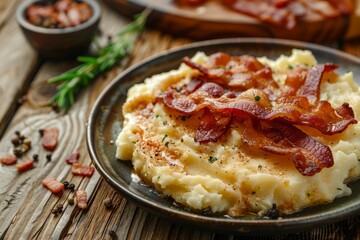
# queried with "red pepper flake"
point(50, 138)
point(24, 165)
point(81, 199)
point(8, 160)
point(53, 185)
point(82, 170)
point(73, 157)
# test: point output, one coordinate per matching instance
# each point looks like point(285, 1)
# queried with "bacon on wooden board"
point(284, 13)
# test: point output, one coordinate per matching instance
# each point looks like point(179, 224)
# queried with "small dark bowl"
point(58, 43)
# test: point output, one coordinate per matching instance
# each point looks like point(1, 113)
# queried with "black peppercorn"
point(41, 131)
point(71, 186)
point(273, 213)
point(48, 157)
point(36, 157)
point(15, 141)
point(71, 201)
point(112, 233)
point(108, 203)
point(66, 184)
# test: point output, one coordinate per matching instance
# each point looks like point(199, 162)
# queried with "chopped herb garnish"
point(257, 98)
point(165, 136)
point(166, 144)
point(212, 159)
point(157, 115)
point(178, 89)
point(290, 67)
point(183, 118)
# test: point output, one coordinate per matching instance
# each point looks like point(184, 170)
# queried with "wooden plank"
point(23, 193)
point(7, 8)
point(18, 62)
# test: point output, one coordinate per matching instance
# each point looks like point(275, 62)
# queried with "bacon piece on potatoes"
point(273, 112)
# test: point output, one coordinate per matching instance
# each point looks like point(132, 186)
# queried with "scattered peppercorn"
point(36, 157)
point(273, 213)
point(257, 98)
point(54, 211)
point(17, 133)
point(108, 203)
point(15, 141)
point(17, 152)
point(66, 184)
point(112, 233)
point(55, 108)
point(71, 187)
point(71, 201)
point(48, 157)
point(41, 132)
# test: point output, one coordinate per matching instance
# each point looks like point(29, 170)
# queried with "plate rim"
point(233, 225)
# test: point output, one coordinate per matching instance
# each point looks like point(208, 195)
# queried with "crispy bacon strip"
point(311, 87)
point(264, 104)
point(322, 117)
point(309, 155)
point(212, 126)
point(242, 72)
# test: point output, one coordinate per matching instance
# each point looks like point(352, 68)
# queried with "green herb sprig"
point(72, 81)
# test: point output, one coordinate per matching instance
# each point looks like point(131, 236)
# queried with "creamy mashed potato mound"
point(221, 176)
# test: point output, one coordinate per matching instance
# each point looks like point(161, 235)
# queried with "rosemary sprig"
point(72, 81)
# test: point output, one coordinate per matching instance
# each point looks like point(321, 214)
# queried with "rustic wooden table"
point(26, 206)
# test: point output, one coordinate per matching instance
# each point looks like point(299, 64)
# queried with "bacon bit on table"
point(241, 88)
point(81, 199)
point(26, 164)
point(82, 170)
point(8, 160)
point(53, 185)
point(284, 13)
point(73, 157)
point(50, 138)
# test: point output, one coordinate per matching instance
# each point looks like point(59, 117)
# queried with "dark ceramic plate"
point(106, 120)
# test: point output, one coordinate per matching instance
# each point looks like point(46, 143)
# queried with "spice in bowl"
point(58, 14)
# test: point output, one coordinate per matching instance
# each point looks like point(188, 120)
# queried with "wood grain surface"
point(25, 206)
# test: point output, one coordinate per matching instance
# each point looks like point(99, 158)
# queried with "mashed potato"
point(221, 175)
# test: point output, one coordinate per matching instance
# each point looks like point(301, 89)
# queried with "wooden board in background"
point(212, 20)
